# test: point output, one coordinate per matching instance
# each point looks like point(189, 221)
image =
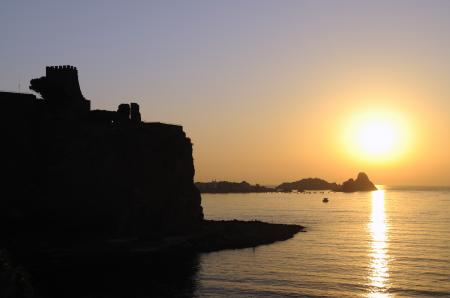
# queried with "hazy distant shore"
point(361, 183)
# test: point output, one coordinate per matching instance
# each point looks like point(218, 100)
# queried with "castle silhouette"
point(61, 91)
point(74, 173)
point(89, 192)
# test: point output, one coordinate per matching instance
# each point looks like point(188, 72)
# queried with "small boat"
point(325, 200)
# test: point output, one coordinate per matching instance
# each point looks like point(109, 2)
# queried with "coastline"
point(361, 183)
point(210, 236)
point(129, 260)
point(236, 234)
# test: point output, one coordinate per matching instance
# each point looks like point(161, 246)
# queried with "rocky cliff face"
point(74, 176)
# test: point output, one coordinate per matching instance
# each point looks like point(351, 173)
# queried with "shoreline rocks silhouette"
point(308, 184)
point(230, 187)
point(362, 183)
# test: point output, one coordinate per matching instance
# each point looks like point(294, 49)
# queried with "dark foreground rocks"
point(217, 235)
point(130, 267)
point(220, 235)
point(210, 236)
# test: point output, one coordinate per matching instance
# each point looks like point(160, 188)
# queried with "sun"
point(377, 136)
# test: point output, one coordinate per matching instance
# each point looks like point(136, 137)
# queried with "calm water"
point(389, 243)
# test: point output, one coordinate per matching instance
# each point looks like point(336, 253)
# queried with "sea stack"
point(362, 183)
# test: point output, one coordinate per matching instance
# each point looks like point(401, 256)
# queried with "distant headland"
point(231, 187)
point(361, 183)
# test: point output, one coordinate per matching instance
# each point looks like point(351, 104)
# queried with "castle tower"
point(61, 88)
point(135, 115)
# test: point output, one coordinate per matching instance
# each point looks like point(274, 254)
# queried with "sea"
point(394, 242)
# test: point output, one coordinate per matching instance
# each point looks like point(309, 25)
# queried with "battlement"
point(60, 67)
point(61, 71)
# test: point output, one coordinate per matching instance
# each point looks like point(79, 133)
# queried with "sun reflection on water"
point(378, 269)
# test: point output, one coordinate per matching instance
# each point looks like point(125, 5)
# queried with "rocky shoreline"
point(74, 270)
point(210, 236)
point(235, 234)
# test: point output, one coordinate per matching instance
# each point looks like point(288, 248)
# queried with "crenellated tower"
point(61, 88)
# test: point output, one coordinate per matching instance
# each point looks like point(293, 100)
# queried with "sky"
point(268, 91)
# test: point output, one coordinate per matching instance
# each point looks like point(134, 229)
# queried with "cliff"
point(72, 174)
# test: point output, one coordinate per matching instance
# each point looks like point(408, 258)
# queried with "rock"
point(234, 234)
point(362, 183)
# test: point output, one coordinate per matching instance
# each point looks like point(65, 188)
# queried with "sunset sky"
point(268, 91)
